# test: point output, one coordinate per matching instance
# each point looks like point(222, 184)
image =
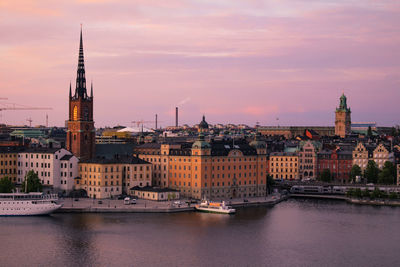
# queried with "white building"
point(55, 167)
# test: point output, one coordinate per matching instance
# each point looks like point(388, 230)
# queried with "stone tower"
point(342, 118)
point(81, 131)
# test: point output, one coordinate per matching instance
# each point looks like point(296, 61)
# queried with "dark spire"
point(70, 90)
point(91, 90)
point(80, 90)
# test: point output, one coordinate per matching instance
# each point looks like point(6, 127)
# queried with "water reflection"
point(296, 232)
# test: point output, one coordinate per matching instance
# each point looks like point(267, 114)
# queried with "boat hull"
point(219, 211)
point(29, 210)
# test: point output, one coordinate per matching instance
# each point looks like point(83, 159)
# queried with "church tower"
point(342, 118)
point(81, 131)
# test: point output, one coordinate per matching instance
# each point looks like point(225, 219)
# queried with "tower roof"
point(80, 90)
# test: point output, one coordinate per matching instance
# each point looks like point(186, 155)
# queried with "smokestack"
point(176, 116)
point(156, 121)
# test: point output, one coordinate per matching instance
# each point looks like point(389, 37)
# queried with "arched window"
point(75, 118)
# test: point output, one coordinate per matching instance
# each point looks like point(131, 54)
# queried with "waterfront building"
point(382, 154)
point(308, 159)
point(56, 168)
point(343, 118)
point(284, 165)
point(378, 153)
point(362, 153)
point(215, 169)
point(104, 178)
point(338, 162)
point(81, 131)
point(8, 163)
point(154, 193)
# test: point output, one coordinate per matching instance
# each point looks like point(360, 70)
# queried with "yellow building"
point(217, 169)
point(8, 164)
point(284, 165)
point(104, 178)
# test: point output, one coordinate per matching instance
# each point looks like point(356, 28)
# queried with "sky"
point(274, 62)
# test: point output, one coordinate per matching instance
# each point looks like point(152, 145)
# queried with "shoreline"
point(148, 206)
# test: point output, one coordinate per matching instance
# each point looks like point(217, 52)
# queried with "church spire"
point(70, 90)
point(91, 89)
point(80, 90)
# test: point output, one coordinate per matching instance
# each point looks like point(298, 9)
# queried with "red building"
point(81, 131)
point(338, 162)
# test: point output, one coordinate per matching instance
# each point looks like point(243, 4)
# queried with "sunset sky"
point(234, 61)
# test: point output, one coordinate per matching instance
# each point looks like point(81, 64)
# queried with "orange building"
point(8, 163)
point(215, 169)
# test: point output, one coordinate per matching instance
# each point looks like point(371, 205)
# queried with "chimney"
point(176, 116)
point(156, 121)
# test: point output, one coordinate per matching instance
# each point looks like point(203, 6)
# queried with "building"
point(343, 118)
point(104, 178)
point(56, 168)
point(154, 193)
point(284, 165)
point(292, 131)
point(382, 154)
point(308, 159)
point(81, 132)
point(8, 163)
point(215, 169)
point(338, 162)
point(362, 153)
point(366, 152)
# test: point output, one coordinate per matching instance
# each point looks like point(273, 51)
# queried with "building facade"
point(8, 164)
point(81, 132)
point(105, 178)
point(338, 162)
point(308, 159)
point(216, 169)
point(343, 118)
point(56, 168)
point(284, 165)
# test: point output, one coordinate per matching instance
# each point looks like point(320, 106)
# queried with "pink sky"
point(235, 61)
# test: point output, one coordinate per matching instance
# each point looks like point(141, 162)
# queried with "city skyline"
point(238, 63)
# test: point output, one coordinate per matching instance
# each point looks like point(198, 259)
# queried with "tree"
point(270, 183)
point(388, 173)
point(33, 183)
point(357, 193)
point(369, 132)
point(365, 193)
point(325, 176)
point(354, 172)
point(371, 172)
point(6, 186)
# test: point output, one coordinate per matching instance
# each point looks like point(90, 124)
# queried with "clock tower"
point(81, 131)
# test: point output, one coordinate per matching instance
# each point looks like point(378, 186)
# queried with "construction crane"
point(13, 106)
point(141, 122)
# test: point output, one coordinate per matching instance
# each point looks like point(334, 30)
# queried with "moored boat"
point(207, 206)
point(25, 204)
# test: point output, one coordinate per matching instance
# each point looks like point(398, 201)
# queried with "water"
point(293, 233)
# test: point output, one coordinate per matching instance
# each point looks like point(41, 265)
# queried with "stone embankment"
point(372, 202)
point(86, 205)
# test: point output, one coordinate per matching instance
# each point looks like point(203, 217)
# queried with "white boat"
point(22, 204)
point(207, 206)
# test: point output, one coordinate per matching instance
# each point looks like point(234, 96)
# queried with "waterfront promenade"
point(87, 205)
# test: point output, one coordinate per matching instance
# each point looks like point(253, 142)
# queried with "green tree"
point(365, 193)
point(6, 186)
point(325, 176)
point(369, 132)
point(393, 195)
point(376, 193)
point(270, 183)
point(388, 173)
point(350, 192)
point(393, 132)
point(354, 172)
point(31, 183)
point(371, 172)
point(357, 193)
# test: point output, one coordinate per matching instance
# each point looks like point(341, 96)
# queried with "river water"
point(293, 233)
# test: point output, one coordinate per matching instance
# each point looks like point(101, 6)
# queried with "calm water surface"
point(293, 233)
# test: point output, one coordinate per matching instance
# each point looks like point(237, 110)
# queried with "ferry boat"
point(207, 206)
point(23, 204)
